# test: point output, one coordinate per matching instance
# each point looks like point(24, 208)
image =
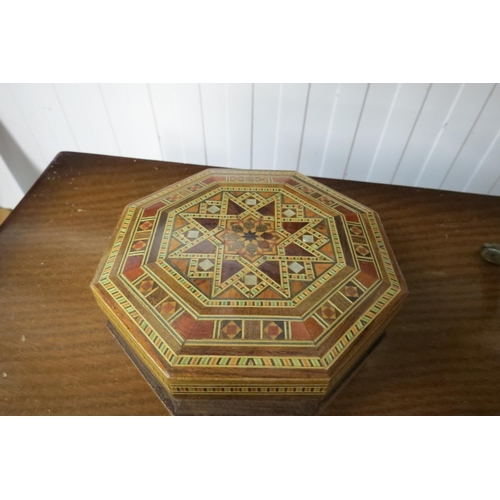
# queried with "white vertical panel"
point(410, 134)
point(396, 131)
point(215, 123)
point(41, 108)
point(167, 119)
point(278, 121)
point(488, 171)
point(19, 130)
point(10, 192)
point(180, 121)
point(377, 109)
point(132, 119)
point(85, 110)
point(430, 121)
point(191, 122)
point(461, 119)
point(495, 190)
point(239, 118)
point(293, 103)
point(266, 102)
point(482, 139)
point(320, 109)
point(345, 118)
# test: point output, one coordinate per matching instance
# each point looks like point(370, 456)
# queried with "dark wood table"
point(441, 355)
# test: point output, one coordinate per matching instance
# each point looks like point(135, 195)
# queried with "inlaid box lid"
point(241, 281)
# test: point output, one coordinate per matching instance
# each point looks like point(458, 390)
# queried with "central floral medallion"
point(250, 238)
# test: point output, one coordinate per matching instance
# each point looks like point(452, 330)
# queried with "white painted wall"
point(443, 135)
point(10, 192)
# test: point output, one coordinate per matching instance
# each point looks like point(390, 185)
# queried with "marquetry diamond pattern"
point(193, 234)
point(295, 267)
point(231, 329)
point(167, 308)
point(139, 245)
point(250, 279)
point(272, 330)
point(206, 265)
point(328, 312)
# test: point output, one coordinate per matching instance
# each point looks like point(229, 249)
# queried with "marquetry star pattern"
point(237, 245)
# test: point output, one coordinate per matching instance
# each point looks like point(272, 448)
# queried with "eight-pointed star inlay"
point(244, 245)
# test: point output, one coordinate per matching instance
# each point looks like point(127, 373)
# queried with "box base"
point(250, 405)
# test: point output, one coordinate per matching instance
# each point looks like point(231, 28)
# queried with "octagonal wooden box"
point(240, 292)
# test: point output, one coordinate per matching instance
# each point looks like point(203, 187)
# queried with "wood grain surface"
point(4, 213)
point(441, 354)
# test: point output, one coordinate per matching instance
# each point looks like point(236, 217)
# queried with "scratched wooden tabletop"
point(440, 356)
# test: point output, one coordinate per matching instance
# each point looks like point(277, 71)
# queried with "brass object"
point(491, 253)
